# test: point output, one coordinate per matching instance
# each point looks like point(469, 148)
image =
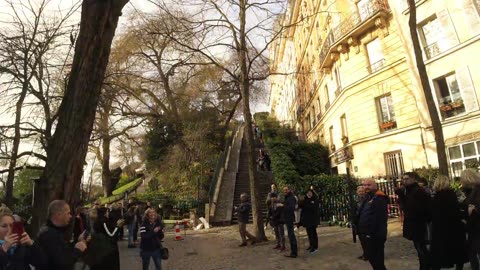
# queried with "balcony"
point(376, 66)
point(452, 108)
point(432, 50)
point(353, 26)
point(362, 19)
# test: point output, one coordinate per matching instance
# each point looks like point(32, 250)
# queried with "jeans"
point(375, 252)
point(312, 236)
point(131, 230)
point(156, 257)
point(292, 239)
point(423, 256)
point(280, 235)
point(242, 228)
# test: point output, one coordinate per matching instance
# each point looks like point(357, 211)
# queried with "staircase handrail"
point(221, 166)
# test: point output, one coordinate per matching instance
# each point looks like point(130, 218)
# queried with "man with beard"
point(372, 224)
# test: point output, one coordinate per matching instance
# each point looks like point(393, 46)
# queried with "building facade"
point(358, 91)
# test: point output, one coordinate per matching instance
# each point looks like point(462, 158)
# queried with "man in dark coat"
point(289, 218)
point(416, 216)
point(372, 224)
point(309, 219)
point(243, 212)
point(275, 218)
point(51, 238)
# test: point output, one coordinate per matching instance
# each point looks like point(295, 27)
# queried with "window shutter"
point(471, 16)
point(450, 38)
point(467, 90)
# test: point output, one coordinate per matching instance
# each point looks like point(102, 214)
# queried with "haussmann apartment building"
point(348, 80)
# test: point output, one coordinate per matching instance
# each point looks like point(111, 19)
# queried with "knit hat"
point(5, 211)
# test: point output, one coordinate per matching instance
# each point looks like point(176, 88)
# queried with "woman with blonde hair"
point(448, 231)
point(151, 233)
point(470, 180)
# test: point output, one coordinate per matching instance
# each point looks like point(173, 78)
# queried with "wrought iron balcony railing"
point(366, 11)
point(432, 50)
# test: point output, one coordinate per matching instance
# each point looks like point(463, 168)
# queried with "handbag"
point(164, 253)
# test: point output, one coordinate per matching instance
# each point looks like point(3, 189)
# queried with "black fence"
point(339, 208)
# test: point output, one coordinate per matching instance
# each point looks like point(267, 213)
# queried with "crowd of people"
point(443, 224)
point(285, 210)
point(91, 243)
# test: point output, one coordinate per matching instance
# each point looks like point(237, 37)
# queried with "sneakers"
point(313, 250)
point(242, 244)
point(308, 249)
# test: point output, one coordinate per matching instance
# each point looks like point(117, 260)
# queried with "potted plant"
point(387, 124)
point(456, 104)
point(446, 107)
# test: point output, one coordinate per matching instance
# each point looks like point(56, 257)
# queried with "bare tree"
point(241, 29)
point(26, 49)
point(76, 114)
point(432, 109)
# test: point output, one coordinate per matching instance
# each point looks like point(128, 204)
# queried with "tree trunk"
point(244, 90)
point(106, 174)
point(67, 150)
point(15, 146)
point(432, 109)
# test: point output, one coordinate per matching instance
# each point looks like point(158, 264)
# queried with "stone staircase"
point(242, 183)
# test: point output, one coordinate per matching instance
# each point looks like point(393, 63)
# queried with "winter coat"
point(310, 212)
point(289, 206)
point(105, 243)
point(416, 213)
point(473, 220)
point(275, 215)
point(243, 212)
point(448, 231)
point(150, 240)
point(372, 219)
point(60, 254)
point(22, 257)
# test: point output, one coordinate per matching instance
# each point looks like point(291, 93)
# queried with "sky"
point(55, 7)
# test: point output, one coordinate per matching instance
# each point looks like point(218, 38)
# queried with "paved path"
point(217, 249)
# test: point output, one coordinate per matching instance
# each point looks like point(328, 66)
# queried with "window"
point(375, 55)
point(386, 114)
point(327, 105)
point(343, 122)
point(394, 164)
point(337, 81)
point(464, 156)
point(330, 133)
point(455, 94)
point(438, 34)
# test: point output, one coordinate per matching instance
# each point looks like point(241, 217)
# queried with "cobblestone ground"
point(217, 249)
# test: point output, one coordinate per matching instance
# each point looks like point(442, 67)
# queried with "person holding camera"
point(17, 249)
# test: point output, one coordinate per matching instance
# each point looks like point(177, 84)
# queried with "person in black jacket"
point(151, 234)
point(243, 212)
point(448, 230)
point(416, 217)
point(310, 218)
point(275, 218)
point(102, 250)
point(372, 224)
point(363, 243)
point(289, 217)
point(471, 185)
point(60, 254)
point(17, 252)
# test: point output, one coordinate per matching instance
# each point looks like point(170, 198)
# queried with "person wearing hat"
point(16, 251)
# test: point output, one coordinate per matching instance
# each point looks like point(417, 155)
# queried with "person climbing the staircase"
point(243, 212)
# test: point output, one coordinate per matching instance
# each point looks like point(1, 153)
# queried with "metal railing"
point(376, 66)
point(366, 11)
point(432, 50)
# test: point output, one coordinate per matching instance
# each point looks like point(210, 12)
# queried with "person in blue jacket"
point(372, 224)
point(151, 233)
